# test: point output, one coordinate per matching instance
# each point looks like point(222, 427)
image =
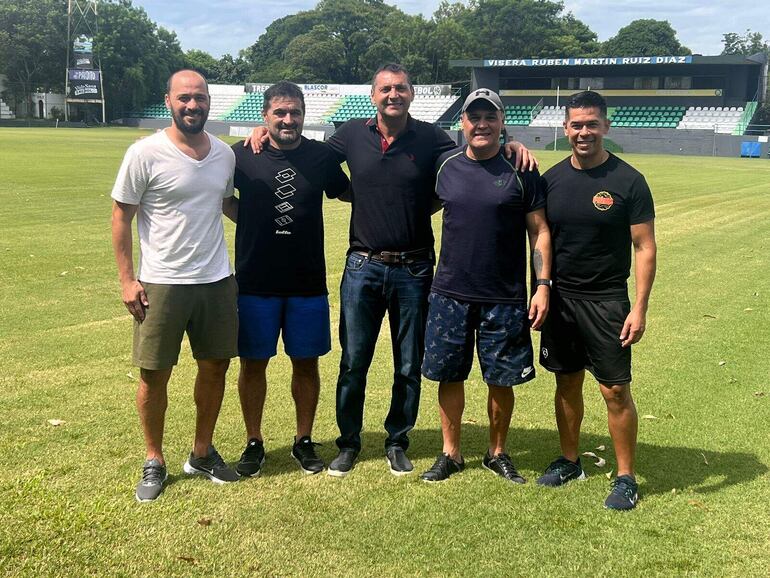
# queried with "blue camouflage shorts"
point(499, 330)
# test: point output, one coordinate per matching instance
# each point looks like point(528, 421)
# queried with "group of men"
point(581, 219)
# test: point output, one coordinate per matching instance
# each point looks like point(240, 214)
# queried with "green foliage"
point(746, 44)
point(226, 70)
point(32, 47)
point(646, 37)
point(67, 491)
point(353, 38)
point(136, 55)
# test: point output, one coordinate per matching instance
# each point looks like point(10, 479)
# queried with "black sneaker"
point(560, 472)
point(624, 494)
point(252, 458)
point(151, 485)
point(399, 463)
point(303, 451)
point(212, 466)
point(343, 463)
point(443, 467)
point(502, 465)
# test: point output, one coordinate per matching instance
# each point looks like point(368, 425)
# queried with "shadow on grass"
point(660, 468)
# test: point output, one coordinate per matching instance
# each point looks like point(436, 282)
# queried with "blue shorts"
point(302, 321)
point(501, 332)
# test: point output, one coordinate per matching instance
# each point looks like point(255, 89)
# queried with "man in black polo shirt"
point(479, 293)
point(280, 268)
point(598, 207)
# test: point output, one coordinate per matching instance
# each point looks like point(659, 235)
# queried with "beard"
point(285, 139)
point(195, 127)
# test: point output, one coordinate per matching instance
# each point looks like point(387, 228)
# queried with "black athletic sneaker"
point(212, 466)
point(502, 465)
point(343, 463)
point(151, 485)
point(400, 465)
point(442, 468)
point(560, 472)
point(624, 494)
point(252, 458)
point(303, 451)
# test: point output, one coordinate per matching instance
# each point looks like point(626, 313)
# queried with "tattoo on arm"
point(537, 262)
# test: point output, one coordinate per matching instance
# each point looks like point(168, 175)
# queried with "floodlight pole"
point(67, 64)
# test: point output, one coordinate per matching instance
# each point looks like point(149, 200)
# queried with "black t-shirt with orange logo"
point(591, 213)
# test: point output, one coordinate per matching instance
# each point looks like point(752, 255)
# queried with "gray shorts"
point(208, 312)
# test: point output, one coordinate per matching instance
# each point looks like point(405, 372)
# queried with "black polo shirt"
point(393, 186)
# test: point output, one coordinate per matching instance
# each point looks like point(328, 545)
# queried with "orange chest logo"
point(603, 201)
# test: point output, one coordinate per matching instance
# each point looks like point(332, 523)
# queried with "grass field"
point(66, 492)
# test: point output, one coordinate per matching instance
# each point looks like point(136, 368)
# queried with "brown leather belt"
point(398, 257)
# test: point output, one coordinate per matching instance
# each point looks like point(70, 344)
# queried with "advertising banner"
point(84, 84)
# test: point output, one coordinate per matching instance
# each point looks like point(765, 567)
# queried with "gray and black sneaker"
point(303, 452)
point(343, 463)
point(212, 466)
point(400, 465)
point(252, 458)
point(624, 494)
point(560, 472)
point(151, 485)
point(502, 465)
point(442, 468)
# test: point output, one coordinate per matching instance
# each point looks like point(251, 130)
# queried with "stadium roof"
point(730, 59)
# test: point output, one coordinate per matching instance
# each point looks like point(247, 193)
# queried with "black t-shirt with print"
point(279, 239)
point(590, 213)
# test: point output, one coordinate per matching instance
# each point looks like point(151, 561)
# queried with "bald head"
point(186, 75)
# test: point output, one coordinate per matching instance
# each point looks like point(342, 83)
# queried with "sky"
point(227, 26)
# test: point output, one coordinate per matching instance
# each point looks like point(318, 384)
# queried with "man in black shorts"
point(598, 207)
point(479, 293)
point(281, 270)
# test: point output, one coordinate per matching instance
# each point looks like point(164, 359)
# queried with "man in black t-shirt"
point(280, 268)
point(479, 292)
point(598, 207)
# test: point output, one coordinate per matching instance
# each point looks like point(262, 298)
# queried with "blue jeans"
point(369, 289)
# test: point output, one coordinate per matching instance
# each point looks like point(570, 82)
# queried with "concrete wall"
point(650, 140)
point(49, 100)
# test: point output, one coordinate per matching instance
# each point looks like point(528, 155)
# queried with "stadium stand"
point(248, 109)
point(155, 111)
point(354, 106)
point(6, 112)
point(647, 116)
point(430, 108)
point(715, 118)
point(320, 106)
point(224, 98)
point(550, 116)
point(518, 114)
point(745, 120)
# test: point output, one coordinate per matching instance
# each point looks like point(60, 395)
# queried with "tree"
point(645, 37)
point(202, 62)
point(317, 56)
point(136, 56)
point(747, 44)
point(32, 47)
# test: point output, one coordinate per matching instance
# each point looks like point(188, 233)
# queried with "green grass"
point(67, 491)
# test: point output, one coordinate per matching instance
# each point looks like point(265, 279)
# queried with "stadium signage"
point(613, 60)
point(433, 89)
point(83, 74)
point(83, 44)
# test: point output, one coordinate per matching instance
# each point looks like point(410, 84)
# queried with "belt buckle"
point(391, 258)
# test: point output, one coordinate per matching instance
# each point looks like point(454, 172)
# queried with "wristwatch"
point(547, 282)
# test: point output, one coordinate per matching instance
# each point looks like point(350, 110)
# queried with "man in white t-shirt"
point(176, 182)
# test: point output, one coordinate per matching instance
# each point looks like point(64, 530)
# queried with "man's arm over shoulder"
point(338, 142)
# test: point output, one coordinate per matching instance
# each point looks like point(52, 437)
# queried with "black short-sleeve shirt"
point(279, 242)
point(392, 187)
point(484, 234)
point(590, 213)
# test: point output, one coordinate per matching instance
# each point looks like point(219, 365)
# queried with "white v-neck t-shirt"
point(179, 216)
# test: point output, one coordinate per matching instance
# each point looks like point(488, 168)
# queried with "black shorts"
point(580, 334)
